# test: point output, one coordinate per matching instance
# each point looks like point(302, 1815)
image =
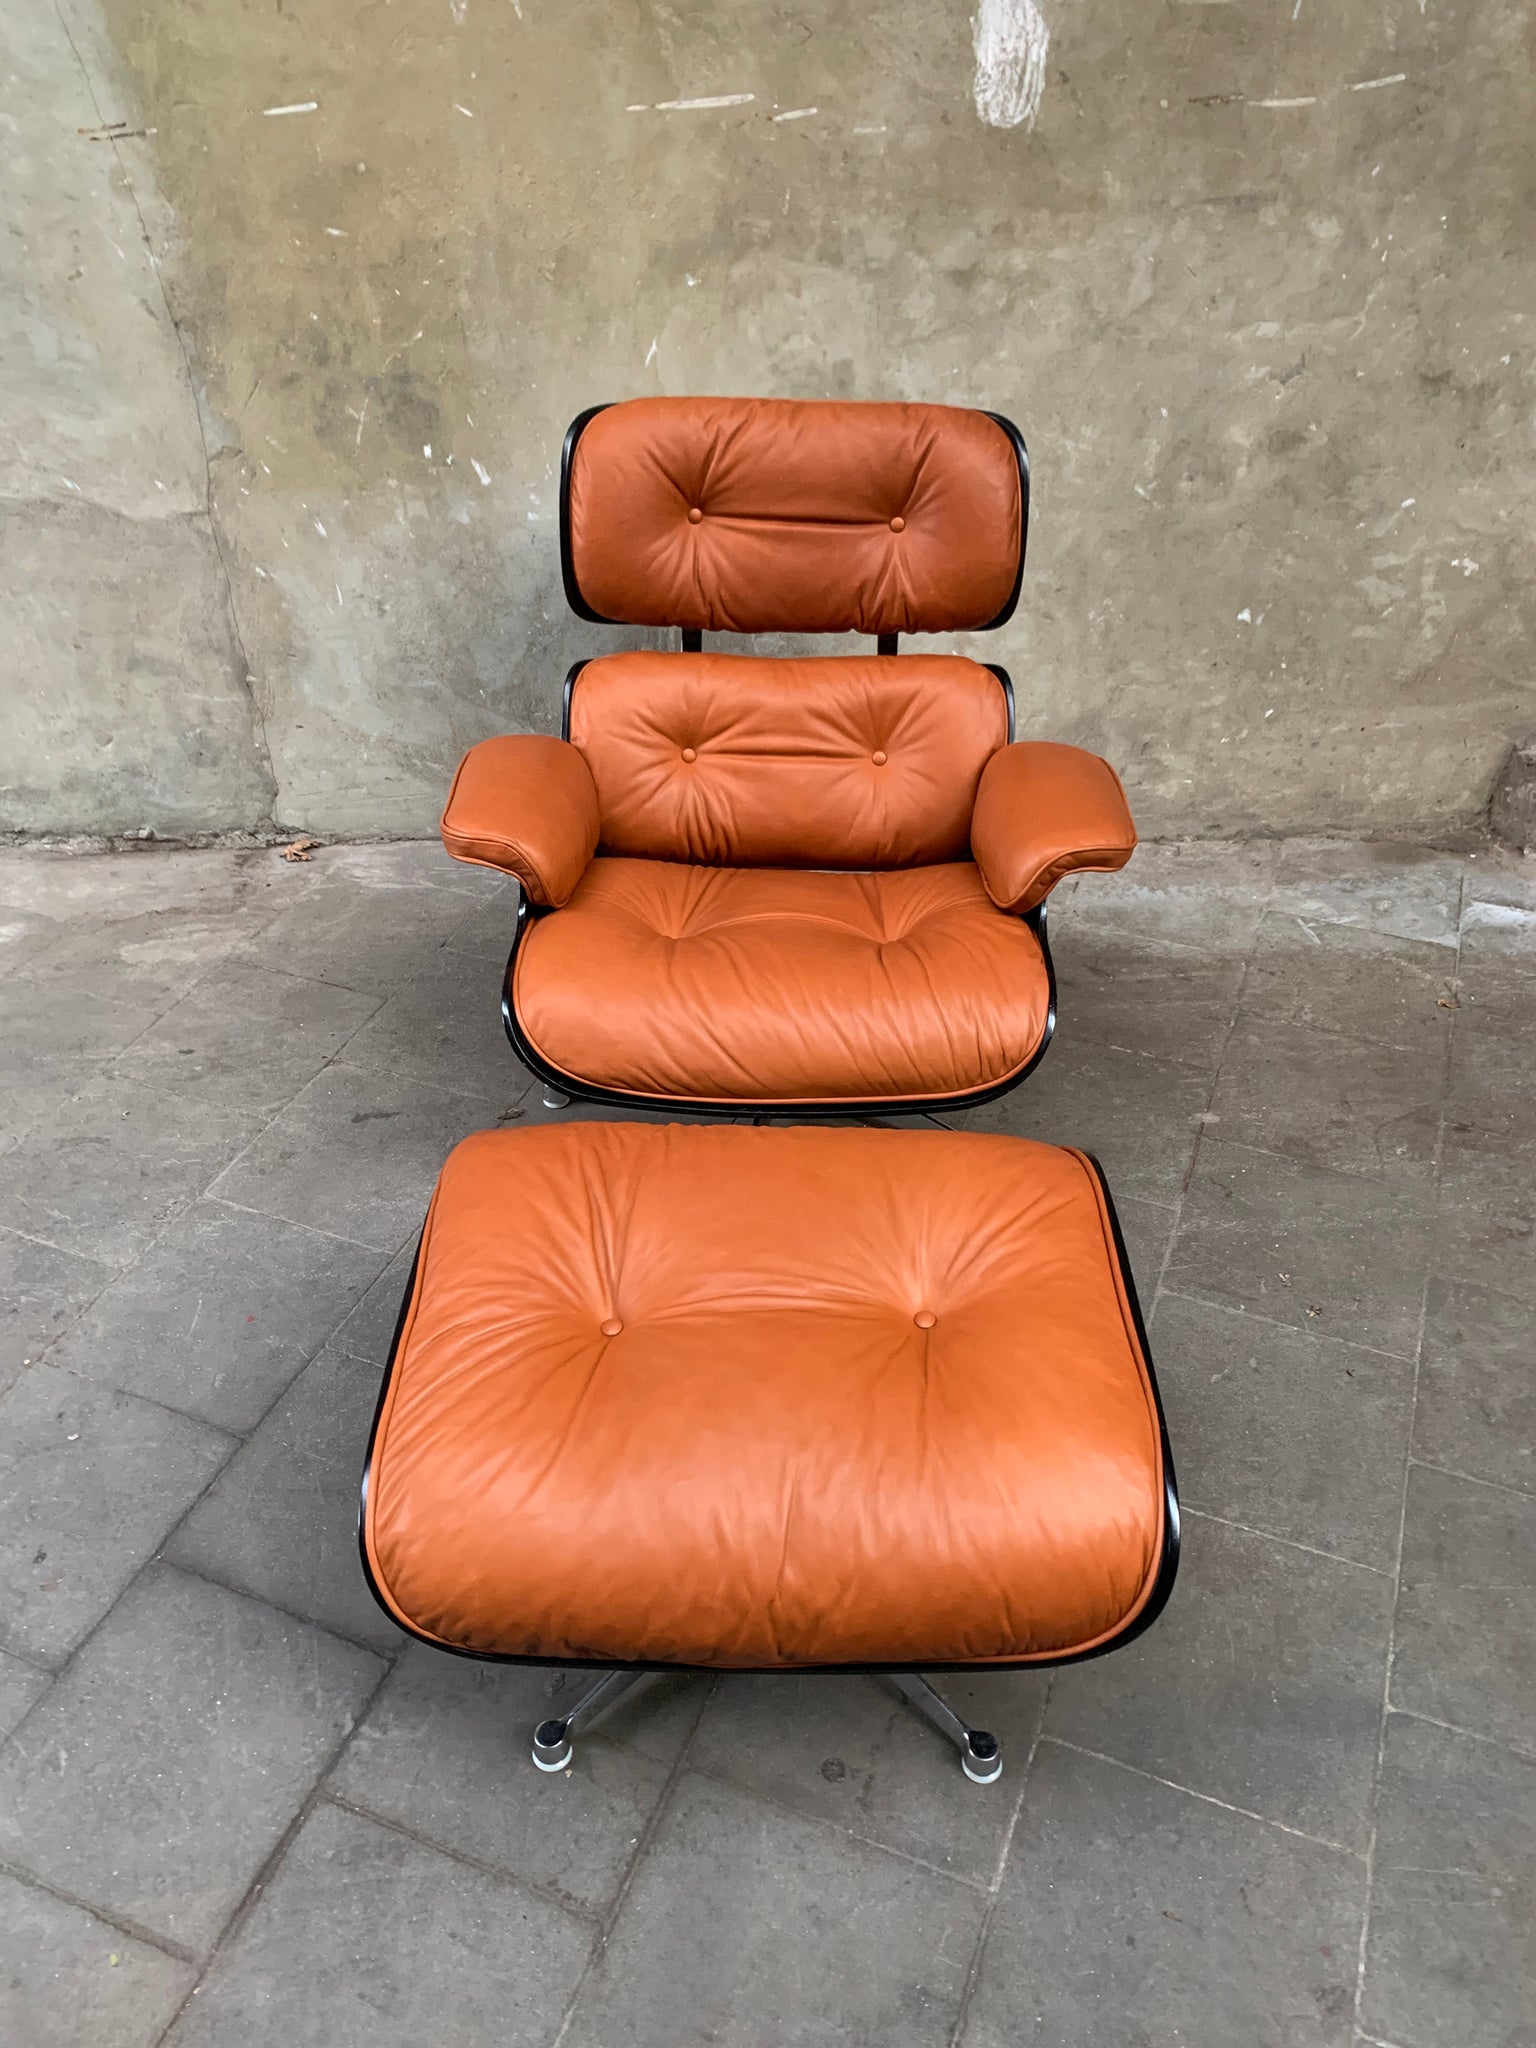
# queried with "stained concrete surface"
point(123, 692)
point(235, 1807)
point(1257, 282)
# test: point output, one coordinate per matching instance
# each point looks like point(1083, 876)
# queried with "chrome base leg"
point(981, 1758)
point(555, 1098)
point(552, 1745)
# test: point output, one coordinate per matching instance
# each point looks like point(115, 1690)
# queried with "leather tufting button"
point(898, 524)
point(924, 1319)
point(878, 757)
point(690, 754)
point(611, 1326)
point(695, 514)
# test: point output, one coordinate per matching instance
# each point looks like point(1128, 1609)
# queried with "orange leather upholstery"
point(1044, 811)
point(782, 985)
point(851, 762)
point(767, 1399)
point(786, 882)
point(757, 515)
point(525, 803)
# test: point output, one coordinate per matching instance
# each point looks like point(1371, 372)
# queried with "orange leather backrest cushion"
point(760, 515)
point(848, 761)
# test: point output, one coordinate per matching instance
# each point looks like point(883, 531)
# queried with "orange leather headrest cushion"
point(763, 515)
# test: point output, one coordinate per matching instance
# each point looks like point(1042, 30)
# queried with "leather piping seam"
point(1104, 859)
point(1136, 1344)
point(505, 856)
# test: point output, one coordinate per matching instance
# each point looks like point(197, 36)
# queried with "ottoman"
point(740, 1399)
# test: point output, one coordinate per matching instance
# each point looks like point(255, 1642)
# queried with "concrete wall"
point(1257, 280)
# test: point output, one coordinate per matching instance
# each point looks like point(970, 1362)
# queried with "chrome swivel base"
point(555, 1098)
point(981, 1757)
point(552, 1745)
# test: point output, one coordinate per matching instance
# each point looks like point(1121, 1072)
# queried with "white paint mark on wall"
point(650, 354)
point(298, 107)
point(480, 471)
point(724, 99)
point(1011, 40)
point(797, 114)
point(463, 110)
point(1370, 84)
point(1309, 101)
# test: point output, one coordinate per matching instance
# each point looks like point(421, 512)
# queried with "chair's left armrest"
point(1044, 811)
point(525, 803)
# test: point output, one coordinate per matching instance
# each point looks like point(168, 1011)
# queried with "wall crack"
point(265, 819)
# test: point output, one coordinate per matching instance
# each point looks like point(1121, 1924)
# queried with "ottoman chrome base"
point(981, 1756)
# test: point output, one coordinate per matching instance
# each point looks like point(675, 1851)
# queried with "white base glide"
point(981, 1758)
point(552, 1745)
point(553, 1756)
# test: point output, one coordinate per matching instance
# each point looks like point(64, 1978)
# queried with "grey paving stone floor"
point(236, 1809)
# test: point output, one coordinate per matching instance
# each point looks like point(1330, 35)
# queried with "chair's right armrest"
point(525, 803)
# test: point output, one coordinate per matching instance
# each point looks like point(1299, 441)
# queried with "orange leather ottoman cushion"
point(766, 1399)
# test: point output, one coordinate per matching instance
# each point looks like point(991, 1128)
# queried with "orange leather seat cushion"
point(779, 984)
point(765, 1399)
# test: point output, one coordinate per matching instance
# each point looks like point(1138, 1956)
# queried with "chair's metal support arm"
point(552, 1746)
point(981, 1757)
